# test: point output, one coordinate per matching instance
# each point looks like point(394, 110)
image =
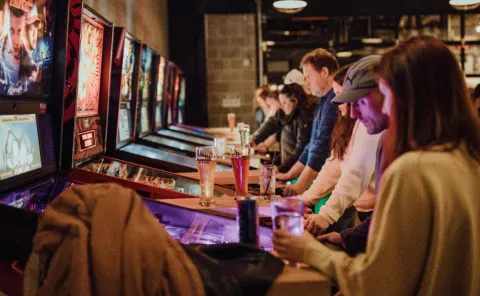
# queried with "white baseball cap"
point(294, 76)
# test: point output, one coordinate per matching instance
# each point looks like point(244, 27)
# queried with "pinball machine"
point(122, 114)
point(86, 124)
point(161, 110)
point(146, 98)
point(30, 119)
point(176, 83)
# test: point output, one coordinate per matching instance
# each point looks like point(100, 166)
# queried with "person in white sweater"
point(425, 231)
point(350, 178)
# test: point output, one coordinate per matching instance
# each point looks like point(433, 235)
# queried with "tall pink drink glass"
point(240, 156)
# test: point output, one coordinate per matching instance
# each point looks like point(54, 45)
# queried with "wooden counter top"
point(300, 281)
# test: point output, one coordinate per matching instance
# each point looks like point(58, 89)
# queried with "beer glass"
point(221, 144)
point(231, 120)
point(206, 158)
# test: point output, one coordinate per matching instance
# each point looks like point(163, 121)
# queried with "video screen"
point(90, 68)
point(19, 146)
point(125, 130)
point(124, 126)
point(160, 92)
point(144, 89)
point(181, 100)
point(26, 47)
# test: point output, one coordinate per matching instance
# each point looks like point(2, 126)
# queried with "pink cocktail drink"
point(241, 168)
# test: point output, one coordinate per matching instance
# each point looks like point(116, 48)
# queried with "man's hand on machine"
point(316, 224)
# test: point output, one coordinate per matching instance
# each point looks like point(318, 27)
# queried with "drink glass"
point(206, 158)
point(221, 144)
point(287, 214)
point(231, 121)
point(267, 181)
point(240, 156)
point(244, 130)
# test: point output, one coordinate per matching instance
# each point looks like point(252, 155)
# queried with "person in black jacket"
point(294, 120)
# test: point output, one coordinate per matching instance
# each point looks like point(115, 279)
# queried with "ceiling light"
point(477, 28)
point(289, 6)
point(344, 54)
point(372, 40)
point(465, 4)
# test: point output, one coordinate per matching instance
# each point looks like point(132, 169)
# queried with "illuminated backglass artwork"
point(90, 67)
point(19, 145)
point(144, 90)
point(125, 130)
point(160, 92)
point(128, 63)
point(181, 101)
point(26, 47)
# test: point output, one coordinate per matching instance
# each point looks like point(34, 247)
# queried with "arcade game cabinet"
point(122, 113)
point(30, 120)
point(146, 97)
point(85, 118)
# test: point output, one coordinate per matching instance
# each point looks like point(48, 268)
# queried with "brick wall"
point(145, 19)
point(231, 67)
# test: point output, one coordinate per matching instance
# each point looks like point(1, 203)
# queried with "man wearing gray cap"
point(357, 170)
point(361, 91)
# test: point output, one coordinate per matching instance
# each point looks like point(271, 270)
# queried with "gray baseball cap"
point(359, 81)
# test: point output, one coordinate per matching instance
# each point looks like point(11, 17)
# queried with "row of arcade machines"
point(89, 103)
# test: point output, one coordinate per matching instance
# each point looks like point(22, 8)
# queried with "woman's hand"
point(315, 224)
point(289, 246)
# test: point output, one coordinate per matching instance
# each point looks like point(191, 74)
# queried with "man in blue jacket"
point(319, 67)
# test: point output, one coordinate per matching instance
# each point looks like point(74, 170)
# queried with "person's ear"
point(325, 72)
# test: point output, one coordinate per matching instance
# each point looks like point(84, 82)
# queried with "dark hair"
point(340, 76)
point(320, 58)
point(273, 94)
point(343, 129)
point(431, 105)
point(265, 92)
point(295, 91)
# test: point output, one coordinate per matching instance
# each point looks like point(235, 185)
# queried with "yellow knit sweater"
point(425, 233)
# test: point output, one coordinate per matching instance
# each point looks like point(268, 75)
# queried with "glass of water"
point(221, 144)
point(287, 214)
point(267, 181)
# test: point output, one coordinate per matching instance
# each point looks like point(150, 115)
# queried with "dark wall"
point(187, 50)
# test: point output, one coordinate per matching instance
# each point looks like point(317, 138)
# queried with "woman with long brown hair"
point(425, 232)
point(348, 173)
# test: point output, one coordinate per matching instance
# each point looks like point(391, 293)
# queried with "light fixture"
point(344, 54)
point(289, 6)
point(464, 4)
point(477, 28)
point(372, 40)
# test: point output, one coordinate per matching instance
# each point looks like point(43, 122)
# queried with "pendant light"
point(464, 4)
point(289, 6)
